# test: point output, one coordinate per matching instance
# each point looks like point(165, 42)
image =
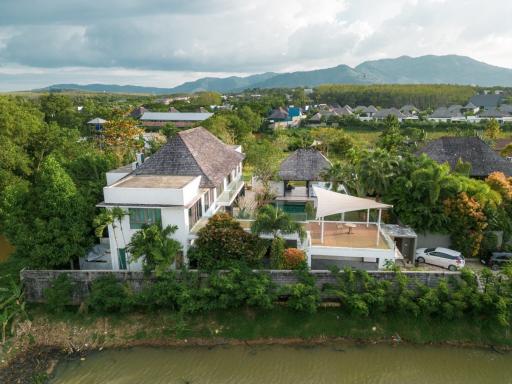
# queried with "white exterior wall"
point(170, 216)
point(147, 196)
point(114, 177)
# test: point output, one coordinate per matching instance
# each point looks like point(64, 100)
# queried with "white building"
point(192, 177)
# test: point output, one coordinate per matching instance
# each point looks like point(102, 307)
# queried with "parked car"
point(497, 260)
point(441, 257)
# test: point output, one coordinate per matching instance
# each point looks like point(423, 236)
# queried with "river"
point(346, 364)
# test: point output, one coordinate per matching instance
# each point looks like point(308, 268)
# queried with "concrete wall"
point(36, 281)
point(432, 240)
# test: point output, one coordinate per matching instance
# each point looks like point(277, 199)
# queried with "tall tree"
point(45, 219)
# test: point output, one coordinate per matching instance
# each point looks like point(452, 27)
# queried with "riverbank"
point(46, 338)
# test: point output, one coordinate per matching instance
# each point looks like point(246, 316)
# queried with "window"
point(229, 178)
point(428, 250)
point(144, 216)
point(194, 213)
point(121, 257)
point(220, 189)
point(207, 199)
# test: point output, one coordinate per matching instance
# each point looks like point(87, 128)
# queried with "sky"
point(166, 42)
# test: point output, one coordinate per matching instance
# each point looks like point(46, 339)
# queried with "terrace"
point(347, 235)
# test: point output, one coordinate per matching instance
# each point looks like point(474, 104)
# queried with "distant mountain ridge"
point(430, 69)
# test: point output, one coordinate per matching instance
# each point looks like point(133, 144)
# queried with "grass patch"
point(248, 324)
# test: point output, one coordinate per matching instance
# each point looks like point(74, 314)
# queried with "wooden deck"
point(361, 236)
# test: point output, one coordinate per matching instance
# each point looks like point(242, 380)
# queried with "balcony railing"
point(228, 196)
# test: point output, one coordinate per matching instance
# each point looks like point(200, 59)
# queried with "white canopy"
point(97, 120)
point(332, 203)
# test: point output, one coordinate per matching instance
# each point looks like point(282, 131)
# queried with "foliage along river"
point(369, 364)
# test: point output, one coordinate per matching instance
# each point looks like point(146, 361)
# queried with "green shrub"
point(304, 296)
point(109, 296)
point(58, 295)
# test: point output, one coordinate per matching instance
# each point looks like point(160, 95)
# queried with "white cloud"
point(172, 37)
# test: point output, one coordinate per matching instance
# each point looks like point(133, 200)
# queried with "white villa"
point(195, 175)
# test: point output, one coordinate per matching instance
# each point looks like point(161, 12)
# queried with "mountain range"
point(430, 69)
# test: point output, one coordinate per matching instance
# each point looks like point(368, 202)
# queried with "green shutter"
point(142, 216)
point(121, 255)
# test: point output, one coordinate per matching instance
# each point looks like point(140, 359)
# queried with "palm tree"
point(102, 221)
point(376, 170)
point(334, 176)
point(153, 244)
point(270, 219)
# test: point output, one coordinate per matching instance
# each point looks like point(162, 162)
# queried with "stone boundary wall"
point(36, 281)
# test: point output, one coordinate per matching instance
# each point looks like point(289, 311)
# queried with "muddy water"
point(380, 364)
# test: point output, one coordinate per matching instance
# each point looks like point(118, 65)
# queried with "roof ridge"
point(192, 153)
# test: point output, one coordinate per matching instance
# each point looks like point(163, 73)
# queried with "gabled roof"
point(342, 111)
point(303, 165)
point(445, 113)
point(279, 113)
point(486, 101)
point(493, 113)
point(383, 113)
point(175, 116)
point(371, 109)
point(470, 149)
point(506, 108)
point(194, 152)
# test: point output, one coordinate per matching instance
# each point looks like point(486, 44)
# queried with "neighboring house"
point(384, 113)
point(471, 108)
point(409, 110)
point(497, 114)
point(180, 120)
point(366, 113)
point(304, 165)
point(474, 150)
point(189, 179)
point(285, 117)
point(486, 101)
point(138, 112)
point(444, 115)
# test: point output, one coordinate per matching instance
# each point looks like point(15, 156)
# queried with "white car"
point(442, 257)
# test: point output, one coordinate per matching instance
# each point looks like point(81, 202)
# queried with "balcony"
point(228, 196)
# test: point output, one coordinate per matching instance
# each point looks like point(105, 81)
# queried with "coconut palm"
point(376, 170)
point(270, 219)
point(153, 244)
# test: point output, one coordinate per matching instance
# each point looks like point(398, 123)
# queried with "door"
point(436, 258)
point(121, 258)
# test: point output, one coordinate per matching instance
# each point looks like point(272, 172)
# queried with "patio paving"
point(361, 236)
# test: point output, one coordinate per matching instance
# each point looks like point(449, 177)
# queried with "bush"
point(223, 242)
point(294, 258)
point(109, 296)
point(304, 296)
point(58, 295)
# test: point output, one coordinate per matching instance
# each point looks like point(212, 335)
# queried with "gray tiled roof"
point(383, 113)
point(194, 152)
point(470, 149)
point(486, 101)
point(303, 165)
point(175, 116)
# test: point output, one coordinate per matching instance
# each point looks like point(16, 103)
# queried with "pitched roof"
point(486, 101)
point(470, 149)
point(383, 113)
point(194, 152)
point(97, 120)
point(175, 116)
point(493, 113)
point(303, 165)
point(445, 113)
point(371, 109)
point(279, 113)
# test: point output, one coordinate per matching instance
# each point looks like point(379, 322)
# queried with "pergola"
point(333, 203)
